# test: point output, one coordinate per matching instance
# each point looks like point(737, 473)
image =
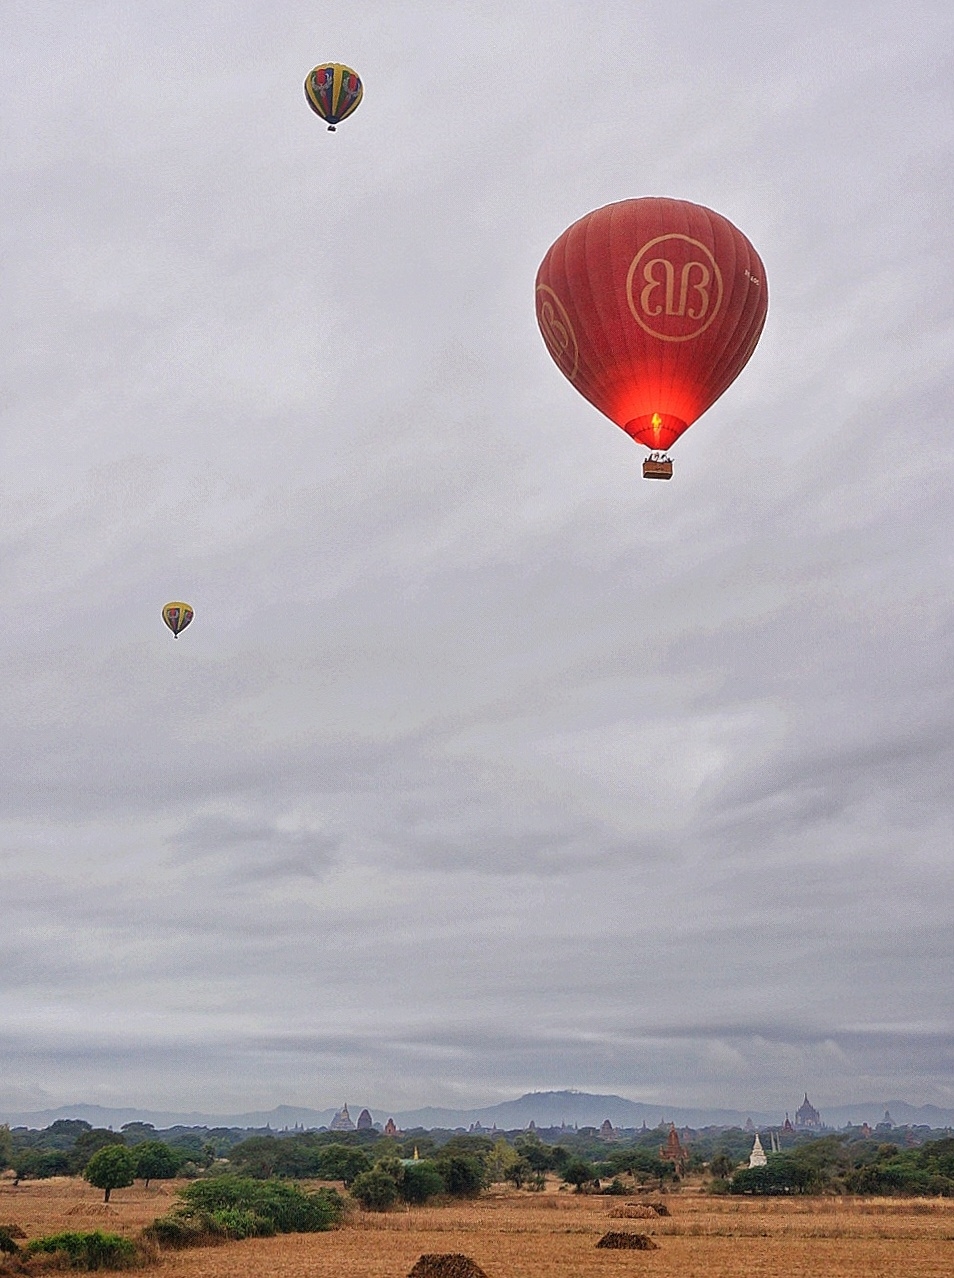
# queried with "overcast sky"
point(485, 766)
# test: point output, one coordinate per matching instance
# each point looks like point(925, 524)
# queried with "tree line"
point(379, 1170)
point(836, 1165)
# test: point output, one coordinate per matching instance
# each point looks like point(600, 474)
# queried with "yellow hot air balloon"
point(333, 91)
point(177, 616)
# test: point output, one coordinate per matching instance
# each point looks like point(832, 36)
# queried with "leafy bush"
point(174, 1230)
point(238, 1222)
point(239, 1207)
point(422, 1181)
point(782, 1175)
point(375, 1190)
point(35, 1164)
point(93, 1250)
point(615, 1189)
point(463, 1174)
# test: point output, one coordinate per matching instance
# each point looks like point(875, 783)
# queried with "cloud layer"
point(484, 766)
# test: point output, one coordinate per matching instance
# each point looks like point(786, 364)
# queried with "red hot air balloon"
point(652, 308)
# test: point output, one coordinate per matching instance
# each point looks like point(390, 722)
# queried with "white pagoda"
point(757, 1157)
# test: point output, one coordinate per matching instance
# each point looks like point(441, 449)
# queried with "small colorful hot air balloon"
point(652, 308)
point(333, 91)
point(177, 616)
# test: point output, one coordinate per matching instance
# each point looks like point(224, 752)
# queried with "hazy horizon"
point(575, 1108)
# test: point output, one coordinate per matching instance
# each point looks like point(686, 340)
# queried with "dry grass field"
point(524, 1235)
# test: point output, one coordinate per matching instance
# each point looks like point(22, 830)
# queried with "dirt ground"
point(526, 1235)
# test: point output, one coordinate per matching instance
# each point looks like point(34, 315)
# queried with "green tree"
point(499, 1161)
point(155, 1161)
point(519, 1172)
point(6, 1147)
point(136, 1133)
point(341, 1162)
point(374, 1190)
point(422, 1181)
point(393, 1167)
point(781, 1175)
point(722, 1166)
point(578, 1172)
point(258, 1156)
point(462, 1174)
point(40, 1164)
point(63, 1133)
point(112, 1167)
point(87, 1144)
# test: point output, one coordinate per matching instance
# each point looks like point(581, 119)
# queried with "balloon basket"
point(657, 466)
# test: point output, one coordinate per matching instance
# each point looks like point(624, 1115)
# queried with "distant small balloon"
point(177, 616)
point(333, 91)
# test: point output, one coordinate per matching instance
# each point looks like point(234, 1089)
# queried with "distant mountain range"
point(545, 1109)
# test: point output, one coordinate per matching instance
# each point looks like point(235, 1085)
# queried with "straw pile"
point(631, 1242)
point(634, 1211)
point(446, 1265)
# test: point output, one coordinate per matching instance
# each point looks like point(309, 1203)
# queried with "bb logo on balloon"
point(557, 331)
point(674, 287)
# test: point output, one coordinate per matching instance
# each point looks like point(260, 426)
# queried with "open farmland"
point(523, 1235)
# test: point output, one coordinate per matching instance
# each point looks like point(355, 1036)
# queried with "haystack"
point(631, 1242)
point(451, 1264)
point(634, 1211)
point(659, 1208)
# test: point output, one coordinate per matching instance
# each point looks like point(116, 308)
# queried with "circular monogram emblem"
point(674, 287)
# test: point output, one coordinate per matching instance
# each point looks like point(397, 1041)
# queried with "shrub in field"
point(375, 1190)
point(616, 1189)
point(422, 1181)
point(240, 1207)
point(463, 1174)
point(175, 1231)
point(238, 1222)
point(286, 1207)
point(93, 1250)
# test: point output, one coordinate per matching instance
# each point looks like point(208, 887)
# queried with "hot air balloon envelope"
point(651, 308)
point(177, 616)
point(333, 91)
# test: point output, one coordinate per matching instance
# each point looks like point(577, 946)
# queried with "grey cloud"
point(484, 765)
